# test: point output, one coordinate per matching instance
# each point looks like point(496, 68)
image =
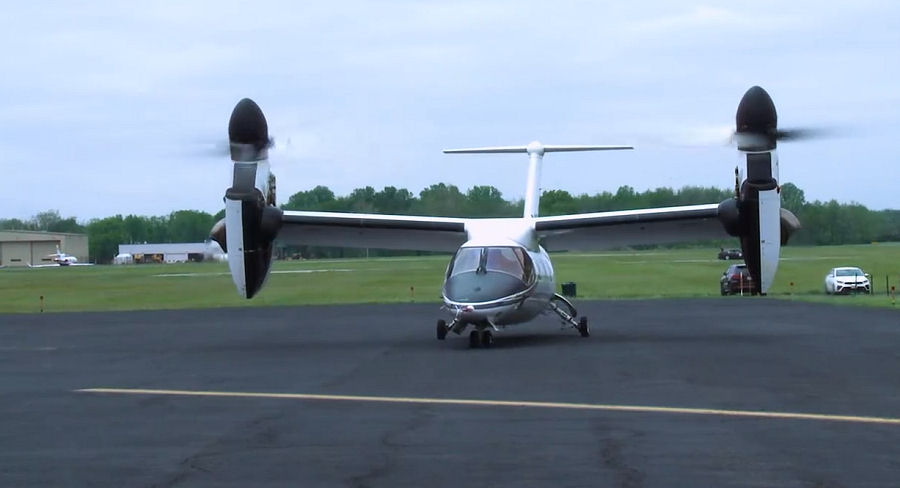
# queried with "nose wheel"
point(442, 330)
point(481, 338)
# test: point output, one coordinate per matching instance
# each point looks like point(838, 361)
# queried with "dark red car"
point(736, 279)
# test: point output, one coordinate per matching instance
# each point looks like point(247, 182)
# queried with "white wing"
point(373, 230)
point(606, 230)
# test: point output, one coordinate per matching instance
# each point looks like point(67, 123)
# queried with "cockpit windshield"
point(482, 274)
point(467, 259)
point(509, 260)
point(513, 261)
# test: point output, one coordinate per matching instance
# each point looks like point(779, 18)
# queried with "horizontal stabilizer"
point(488, 150)
point(524, 149)
point(584, 148)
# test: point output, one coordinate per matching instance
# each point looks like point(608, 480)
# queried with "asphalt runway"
point(701, 393)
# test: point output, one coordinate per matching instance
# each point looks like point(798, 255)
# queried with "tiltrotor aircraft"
point(501, 273)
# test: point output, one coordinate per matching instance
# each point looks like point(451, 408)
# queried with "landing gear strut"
point(566, 311)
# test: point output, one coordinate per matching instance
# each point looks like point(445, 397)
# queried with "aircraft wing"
point(372, 230)
point(606, 230)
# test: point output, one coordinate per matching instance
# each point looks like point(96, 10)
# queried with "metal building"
point(30, 248)
point(180, 252)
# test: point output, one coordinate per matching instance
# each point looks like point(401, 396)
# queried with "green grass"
point(615, 275)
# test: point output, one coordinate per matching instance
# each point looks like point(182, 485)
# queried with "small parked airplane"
point(60, 258)
point(501, 273)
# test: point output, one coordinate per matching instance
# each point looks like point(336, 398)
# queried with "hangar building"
point(179, 252)
point(29, 248)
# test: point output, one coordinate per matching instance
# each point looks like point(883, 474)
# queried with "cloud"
point(370, 92)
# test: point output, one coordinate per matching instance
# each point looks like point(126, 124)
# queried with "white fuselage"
point(493, 297)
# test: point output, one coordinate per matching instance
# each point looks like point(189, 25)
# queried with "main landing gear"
point(566, 311)
point(481, 338)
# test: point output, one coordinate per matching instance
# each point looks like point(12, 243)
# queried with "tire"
point(474, 339)
point(583, 328)
point(487, 339)
point(727, 258)
point(441, 330)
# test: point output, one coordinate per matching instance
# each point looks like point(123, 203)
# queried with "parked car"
point(727, 254)
point(847, 279)
point(736, 279)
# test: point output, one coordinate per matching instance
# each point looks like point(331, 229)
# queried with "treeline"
point(824, 223)
point(833, 223)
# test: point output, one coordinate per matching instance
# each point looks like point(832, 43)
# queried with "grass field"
point(615, 275)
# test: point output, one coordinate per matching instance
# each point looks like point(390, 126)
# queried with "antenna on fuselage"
point(535, 152)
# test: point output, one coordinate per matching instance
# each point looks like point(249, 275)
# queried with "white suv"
point(846, 280)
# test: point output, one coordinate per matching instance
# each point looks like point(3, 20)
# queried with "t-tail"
point(535, 152)
point(755, 215)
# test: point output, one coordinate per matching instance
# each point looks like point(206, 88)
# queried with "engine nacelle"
point(789, 224)
point(730, 216)
point(251, 219)
point(741, 218)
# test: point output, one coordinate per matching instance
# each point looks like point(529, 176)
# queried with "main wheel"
point(583, 328)
point(441, 330)
point(474, 339)
point(487, 339)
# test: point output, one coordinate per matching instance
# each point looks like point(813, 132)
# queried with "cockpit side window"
point(527, 264)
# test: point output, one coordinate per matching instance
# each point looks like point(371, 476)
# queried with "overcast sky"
point(112, 109)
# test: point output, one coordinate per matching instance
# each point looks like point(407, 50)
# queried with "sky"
point(115, 109)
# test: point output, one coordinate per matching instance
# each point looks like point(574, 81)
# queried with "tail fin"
point(535, 152)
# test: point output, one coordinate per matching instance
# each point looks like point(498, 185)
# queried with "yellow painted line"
point(504, 403)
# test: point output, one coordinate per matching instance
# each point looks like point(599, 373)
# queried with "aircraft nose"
point(475, 287)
